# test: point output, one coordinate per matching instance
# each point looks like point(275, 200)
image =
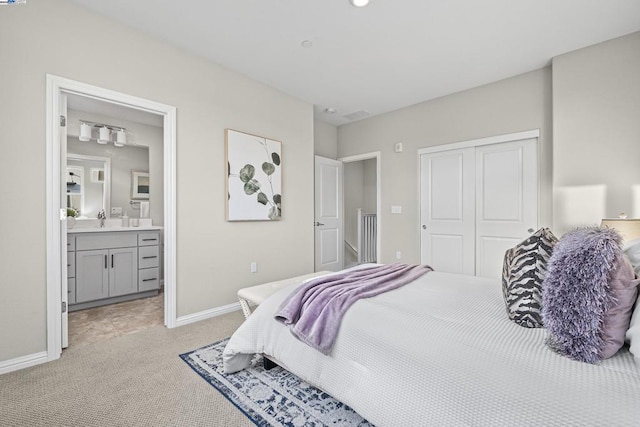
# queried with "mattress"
point(441, 351)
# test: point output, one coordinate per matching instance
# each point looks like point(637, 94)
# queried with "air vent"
point(357, 115)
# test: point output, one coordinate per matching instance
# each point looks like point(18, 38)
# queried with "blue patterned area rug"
point(271, 398)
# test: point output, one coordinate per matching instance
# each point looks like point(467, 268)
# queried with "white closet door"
point(447, 210)
point(506, 200)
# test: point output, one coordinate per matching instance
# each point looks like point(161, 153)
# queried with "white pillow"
point(632, 336)
point(633, 333)
point(632, 251)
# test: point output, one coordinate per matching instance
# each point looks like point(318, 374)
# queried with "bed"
point(440, 351)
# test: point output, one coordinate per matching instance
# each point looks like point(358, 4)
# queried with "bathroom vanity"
point(112, 264)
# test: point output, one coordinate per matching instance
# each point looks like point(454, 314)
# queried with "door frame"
point(55, 86)
point(377, 155)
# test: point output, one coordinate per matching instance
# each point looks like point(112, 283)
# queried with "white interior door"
point(328, 215)
point(447, 210)
point(63, 224)
point(506, 200)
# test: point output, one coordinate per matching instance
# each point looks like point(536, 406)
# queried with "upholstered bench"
point(254, 295)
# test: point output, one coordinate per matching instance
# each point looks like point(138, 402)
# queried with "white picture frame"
point(140, 185)
point(254, 177)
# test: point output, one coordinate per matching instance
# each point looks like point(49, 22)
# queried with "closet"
point(477, 199)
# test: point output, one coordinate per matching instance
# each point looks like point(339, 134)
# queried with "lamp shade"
point(85, 132)
point(629, 229)
point(104, 135)
point(121, 138)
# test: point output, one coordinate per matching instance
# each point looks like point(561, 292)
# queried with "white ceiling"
point(388, 55)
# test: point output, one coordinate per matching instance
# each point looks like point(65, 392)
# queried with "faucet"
point(102, 216)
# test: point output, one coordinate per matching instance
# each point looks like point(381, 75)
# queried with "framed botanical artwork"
point(254, 177)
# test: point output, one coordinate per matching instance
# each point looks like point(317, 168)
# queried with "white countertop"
point(97, 229)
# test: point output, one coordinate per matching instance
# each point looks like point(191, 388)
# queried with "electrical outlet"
point(116, 211)
point(254, 267)
point(398, 255)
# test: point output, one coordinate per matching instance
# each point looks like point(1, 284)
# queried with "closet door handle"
point(111, 260)
point(105, 262)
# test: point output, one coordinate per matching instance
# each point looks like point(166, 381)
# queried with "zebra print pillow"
point(523, 271)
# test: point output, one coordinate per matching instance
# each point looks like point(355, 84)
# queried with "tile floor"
point(110, 321)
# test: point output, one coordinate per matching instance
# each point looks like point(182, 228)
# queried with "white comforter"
point(441, 351)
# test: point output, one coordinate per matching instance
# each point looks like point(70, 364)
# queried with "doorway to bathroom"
point(111, 269)
point(113, 153)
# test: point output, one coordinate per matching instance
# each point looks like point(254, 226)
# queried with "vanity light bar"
point(104, 133)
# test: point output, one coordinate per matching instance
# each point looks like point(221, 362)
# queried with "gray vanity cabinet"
point(71, 269)
point(123, 271)
point(149, 261)
point(92, 275)
point(106, 265)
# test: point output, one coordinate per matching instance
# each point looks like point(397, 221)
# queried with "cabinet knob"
point(424, 227)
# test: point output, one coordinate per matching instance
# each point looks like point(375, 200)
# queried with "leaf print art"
point(254, 176)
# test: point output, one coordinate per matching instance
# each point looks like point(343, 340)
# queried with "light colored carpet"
point(130, 380)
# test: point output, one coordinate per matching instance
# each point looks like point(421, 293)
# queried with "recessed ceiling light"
point(359, 3)
point(330, 110)
point(306, 43)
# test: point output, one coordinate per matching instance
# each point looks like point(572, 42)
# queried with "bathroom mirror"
point(88, 181)
point(115, 168)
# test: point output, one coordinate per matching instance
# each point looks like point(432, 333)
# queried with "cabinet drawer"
point(71, 264)
point(148, 239)
point(71, 291)
point(148, 256)
point(71, 243)
point(106, 241)
point(148, 279)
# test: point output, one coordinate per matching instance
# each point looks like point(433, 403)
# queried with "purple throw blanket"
point(314, 310)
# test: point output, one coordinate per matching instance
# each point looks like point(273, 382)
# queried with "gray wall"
point(512, 105)
point(353, 199)
point(325, 139)
point(596, 133)
point(213, 256)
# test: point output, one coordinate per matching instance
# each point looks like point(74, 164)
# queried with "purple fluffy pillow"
point(588, 295)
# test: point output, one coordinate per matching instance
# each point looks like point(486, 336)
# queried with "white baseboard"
point(23, 362)
point(207, 314)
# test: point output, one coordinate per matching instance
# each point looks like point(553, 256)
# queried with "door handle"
point(105, 261)
point(318, 224)
point(424, 227)
point(530, 230)
point(111, 260)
